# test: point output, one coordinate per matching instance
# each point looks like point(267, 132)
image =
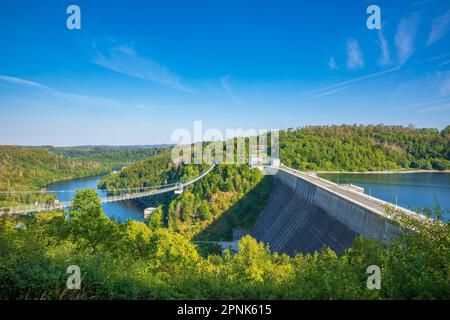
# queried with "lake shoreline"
point(123, 210)
point(413, 191)
point(76, 178)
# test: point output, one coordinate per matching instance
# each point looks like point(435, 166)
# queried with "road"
point(375, 204)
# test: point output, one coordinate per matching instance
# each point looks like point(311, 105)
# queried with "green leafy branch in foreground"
point(230, 196)
point(132, 261)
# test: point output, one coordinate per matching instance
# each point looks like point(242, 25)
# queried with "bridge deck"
point(153, 191)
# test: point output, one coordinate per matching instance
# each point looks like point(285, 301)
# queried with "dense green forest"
point(231, 196)
point(157, 260)
point(134, 261)
point(113, 157)
point(31, 168)
point(362, 148)
point(205, 210)
point(156, 170)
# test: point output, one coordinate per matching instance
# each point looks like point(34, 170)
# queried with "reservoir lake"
point(123, 210)
point(408, 190)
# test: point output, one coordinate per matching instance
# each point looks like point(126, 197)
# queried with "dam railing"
point(373, 204)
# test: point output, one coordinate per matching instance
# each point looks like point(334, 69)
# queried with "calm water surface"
point(410, 190)
point(121, 209)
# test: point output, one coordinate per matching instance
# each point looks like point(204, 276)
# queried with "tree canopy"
point(364, 148)
point(134, 261)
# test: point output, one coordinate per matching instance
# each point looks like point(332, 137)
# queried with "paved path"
point(372, 203)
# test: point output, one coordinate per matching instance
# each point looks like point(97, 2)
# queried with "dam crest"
point(304, 213)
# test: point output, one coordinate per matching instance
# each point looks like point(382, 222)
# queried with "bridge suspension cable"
point(129, 196)
point(105, 190)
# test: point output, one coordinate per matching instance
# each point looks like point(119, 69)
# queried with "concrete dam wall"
point(303, 216)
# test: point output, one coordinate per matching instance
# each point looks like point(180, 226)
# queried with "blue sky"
point(138, 70)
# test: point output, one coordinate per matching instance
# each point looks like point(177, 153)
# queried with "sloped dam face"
point(302, 217)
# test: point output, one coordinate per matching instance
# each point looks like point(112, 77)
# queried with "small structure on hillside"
point(179, 189)
point(53, 204)
point(275, 162)
point(148, 212)
point(255, 161)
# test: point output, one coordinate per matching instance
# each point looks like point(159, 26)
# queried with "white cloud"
point(226, 86)
point(327, 93)
point(22, 82)
point(438, 107)
point(439, 28)
point(429, 102)
point(355, 58)
point(404, 38)
point(440, 80)
point(444, 87)
point(382, 42)
point(332, 64)
point(78, 99)
point(346, 83)
point(124, 59)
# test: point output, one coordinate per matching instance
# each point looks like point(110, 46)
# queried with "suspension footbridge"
point(125, 194)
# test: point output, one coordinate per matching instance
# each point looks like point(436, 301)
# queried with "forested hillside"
point(133, 261)
point(31, 168)
point(231, 196)
point(157, 260)
point(206, 209)
point(111, 156)
point(24, 168)
point(156, 170)
point(362, 148)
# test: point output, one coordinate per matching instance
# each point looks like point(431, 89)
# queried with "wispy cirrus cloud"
point(444, 106)
point(439, 27)
point(224, 81)
point(55, 92)
point(355, 58)
point(327, 93)
point(345, 84)
point(124, 59)
point(23, 82)
point(444, 87)
point(440, 81)
point(405, 37)
point(431, 104)
point(385, 58)
point(332, 64)
point(78, 99)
